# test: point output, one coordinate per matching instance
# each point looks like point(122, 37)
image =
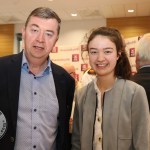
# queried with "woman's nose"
point(100, 56)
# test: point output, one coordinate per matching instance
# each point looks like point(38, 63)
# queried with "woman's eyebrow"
point(107, 48)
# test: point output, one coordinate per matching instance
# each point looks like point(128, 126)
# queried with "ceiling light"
point(73, 14)
point(131, 10)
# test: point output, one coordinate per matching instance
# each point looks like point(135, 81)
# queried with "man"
point(72, 71)
point(35, 94)
point(142, 76)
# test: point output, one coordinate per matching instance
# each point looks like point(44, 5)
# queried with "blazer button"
point(12, 139)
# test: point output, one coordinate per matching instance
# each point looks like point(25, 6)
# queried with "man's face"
point(39, 36)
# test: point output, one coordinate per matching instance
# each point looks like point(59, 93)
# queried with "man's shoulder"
point(6, 60)
point(59, 71)
point(142, 75)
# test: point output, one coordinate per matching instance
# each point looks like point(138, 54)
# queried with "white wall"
point(71, 33)
point(18, 28)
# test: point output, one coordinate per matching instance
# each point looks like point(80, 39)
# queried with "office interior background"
point(87, 15)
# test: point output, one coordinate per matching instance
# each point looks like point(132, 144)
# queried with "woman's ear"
point(119, 54)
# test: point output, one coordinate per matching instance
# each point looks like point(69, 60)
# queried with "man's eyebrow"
point(50, 31)
point(34, 25)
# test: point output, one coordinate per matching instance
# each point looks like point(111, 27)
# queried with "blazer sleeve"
point(140, 120)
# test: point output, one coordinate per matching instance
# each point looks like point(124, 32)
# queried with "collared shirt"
point(37, 110)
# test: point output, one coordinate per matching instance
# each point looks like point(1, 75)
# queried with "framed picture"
point(75, 57)
point(132, 52)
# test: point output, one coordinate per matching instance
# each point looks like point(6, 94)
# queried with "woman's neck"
point(105, 83)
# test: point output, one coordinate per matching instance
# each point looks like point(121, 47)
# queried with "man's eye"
point(49, 34)
point(34, 30)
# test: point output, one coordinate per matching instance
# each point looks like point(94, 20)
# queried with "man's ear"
point(23, 32)
point(137, 61)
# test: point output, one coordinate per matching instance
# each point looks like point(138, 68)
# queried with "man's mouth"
point(38, 47)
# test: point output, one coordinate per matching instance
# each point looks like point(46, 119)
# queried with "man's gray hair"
point(143, 47)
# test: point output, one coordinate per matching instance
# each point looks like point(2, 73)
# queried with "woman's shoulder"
point(89, 86)
point(82, 91)
point(131, 85)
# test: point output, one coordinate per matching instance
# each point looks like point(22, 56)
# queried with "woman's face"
point(102, 55)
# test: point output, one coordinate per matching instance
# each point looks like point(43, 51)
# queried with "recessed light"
point(73, 14)
point(130, 10)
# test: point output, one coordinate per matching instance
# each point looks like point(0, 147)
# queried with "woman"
point(111, 112)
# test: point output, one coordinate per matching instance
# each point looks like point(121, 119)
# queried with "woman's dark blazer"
point(10, 71)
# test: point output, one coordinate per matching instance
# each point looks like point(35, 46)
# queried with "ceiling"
point(16, 11)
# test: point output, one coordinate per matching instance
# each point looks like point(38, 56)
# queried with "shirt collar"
point(25, 66)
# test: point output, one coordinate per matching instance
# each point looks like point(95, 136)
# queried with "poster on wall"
point(131, 51)
point(70, 54)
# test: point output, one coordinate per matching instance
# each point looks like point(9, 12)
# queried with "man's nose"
point(40, 37)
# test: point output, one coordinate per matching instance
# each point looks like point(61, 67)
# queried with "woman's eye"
point(93, 52)
point(108, 52)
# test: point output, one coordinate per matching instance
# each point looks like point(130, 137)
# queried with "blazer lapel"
point(61, 95)
point(111, 112)
point(89, 109)
point(60, 87)
point(13, 73)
